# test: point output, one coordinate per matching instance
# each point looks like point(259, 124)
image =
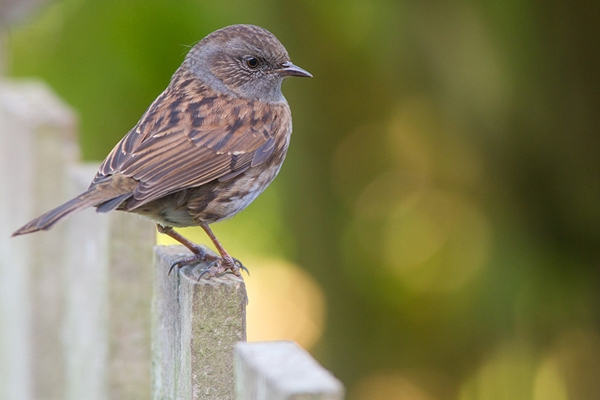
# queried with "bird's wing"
point(184, 142)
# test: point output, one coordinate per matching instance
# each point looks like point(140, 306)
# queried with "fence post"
point(85, 323)
point(109, 292)
point(195, 327)
point(282, 370)
point(37, 143)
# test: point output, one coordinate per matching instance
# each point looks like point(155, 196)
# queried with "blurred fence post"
point(282, 371)
point(109, 291)
point(195, 327)
point(37, 143)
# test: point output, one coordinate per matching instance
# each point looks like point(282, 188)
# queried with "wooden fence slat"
point(282, 370)
point(131, 240)
point(109, 293)
point(195, 327)
point(37, 143)
point(86, 309)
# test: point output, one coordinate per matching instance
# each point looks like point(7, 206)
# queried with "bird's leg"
point(199, 253)
point(227, 262)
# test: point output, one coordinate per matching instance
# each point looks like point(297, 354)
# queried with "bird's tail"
point(94, 196)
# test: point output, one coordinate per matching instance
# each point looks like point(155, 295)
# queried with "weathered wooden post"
point(37, 143)
point(195, 327)
point(282, 370)
point(29, 339)
point(108, 299)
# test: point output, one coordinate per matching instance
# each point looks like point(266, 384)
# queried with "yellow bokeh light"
point(433, 240)
point(388, 386)
point(439, 244)
point(507, 374)
point(550, 382)
point(285, 303)
point(422, 142)
point(417, 216)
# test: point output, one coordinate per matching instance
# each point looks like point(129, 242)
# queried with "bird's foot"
point(223, 265)
point(217, 265)
point(200, 255)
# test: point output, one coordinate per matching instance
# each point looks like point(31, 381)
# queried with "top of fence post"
point(195, 327)
point(282, 370)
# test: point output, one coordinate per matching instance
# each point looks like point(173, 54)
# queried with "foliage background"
point(435, 230)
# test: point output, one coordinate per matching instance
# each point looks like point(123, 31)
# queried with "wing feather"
point(191, 136)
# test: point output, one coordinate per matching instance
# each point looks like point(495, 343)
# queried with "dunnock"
point(206, 147)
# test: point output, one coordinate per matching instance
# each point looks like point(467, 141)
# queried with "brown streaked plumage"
point(206, 147)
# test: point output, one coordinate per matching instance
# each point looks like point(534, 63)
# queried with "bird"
point(209, 144)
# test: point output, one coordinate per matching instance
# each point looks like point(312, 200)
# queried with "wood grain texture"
point(195, 327)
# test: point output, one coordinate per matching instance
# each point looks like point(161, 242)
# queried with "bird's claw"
point(175, 264)
point(221, 266)
point(210, 270)
point(241, 266)
point(198, 257)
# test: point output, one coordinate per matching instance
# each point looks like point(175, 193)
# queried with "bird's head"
point(244, 60)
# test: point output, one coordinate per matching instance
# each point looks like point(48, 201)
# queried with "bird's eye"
point(252, 62)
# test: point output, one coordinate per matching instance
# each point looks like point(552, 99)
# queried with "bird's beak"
point(289, 69)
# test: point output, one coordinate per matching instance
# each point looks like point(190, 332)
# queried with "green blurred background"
point(439, 206)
